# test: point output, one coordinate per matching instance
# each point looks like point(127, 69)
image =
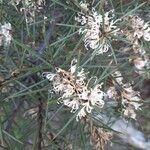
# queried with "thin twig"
point(40, 122)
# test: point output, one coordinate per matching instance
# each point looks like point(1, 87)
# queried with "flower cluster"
point(141, 63)
point(30, 8)
point(74, 92)
point(97, 28)
point(137, 31)
point(99, 137)
point(129, 98)
point(5, 34)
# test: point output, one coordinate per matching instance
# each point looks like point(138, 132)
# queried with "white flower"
point(97, 29)
point(91, 98)
point(139, 63)
point(81, 114)
point(49, 76)
point(73, 104)
point(136, 102)
point(73, 90)
point(140, 29)
point(138, 49)
point(30, 8)
point(103, 46)
point(129, 98)
point(118, 76)
point(146, 34)
point(73, 66)
point(84, 6)
point(96, 96)
point(6, 36)
point(111, 92)
point(130, 113)
point(131, 101)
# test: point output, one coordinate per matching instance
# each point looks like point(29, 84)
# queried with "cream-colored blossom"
point(139, 63)
point(97, 29)
point(111, 92)
point(5, 34)
point(96, 96)
point(141, 59)
point(118, 77)
point(124, 92)
point(131, 100)
point(139, 29)
point(28, 2)
point(84, 6)
point(73, 90)
point(129, 112)
point(138, 49)
point(29, 8)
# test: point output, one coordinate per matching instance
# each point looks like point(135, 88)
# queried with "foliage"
point(45, 35)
